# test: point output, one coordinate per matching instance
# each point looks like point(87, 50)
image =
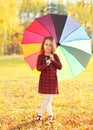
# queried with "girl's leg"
point(49, 109)
point(48, 98)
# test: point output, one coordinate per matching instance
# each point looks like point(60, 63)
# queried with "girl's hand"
point(51, 57)
point(48, 61)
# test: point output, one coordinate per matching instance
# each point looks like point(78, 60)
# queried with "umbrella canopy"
point(74, 46)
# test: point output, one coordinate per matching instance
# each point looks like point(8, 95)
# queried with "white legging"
point(46, 104)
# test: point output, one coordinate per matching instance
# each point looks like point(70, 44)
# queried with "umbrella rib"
point(75, 48)
point(35, 33)
point(66, 45)
point(32, 54)
point(72, 41)
point(68, 63)
point(79, 50)
point(45, 27)
point(71, 32)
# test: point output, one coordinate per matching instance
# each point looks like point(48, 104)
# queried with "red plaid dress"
point(48, 83)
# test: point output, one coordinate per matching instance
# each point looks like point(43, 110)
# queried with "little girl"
point(48, 63)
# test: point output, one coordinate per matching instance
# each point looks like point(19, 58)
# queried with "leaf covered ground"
point(20, 102)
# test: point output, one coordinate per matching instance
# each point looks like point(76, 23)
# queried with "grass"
point(20, 102)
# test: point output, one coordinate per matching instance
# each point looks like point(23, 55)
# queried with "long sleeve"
point(41, 65)
point(57, 62)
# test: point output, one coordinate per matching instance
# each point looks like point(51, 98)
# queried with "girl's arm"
point(40, 65)
point(57, 62)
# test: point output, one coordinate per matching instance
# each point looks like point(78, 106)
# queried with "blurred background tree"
point(16, 15)
point(82, 12)
point(9, 25)
point(56, 6)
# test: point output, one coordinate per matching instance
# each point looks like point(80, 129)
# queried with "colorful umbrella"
point(74, 47)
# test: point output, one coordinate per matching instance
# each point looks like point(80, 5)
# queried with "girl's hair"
point(53, 44)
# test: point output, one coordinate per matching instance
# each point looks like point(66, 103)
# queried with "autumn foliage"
point(16, 15)
point(20, 102)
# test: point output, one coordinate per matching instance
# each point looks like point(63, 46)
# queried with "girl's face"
point(48, 46)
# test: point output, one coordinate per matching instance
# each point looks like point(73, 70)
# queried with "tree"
point(8, 22)
point(82, 12)
point(56, 7)
point(30, 9)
